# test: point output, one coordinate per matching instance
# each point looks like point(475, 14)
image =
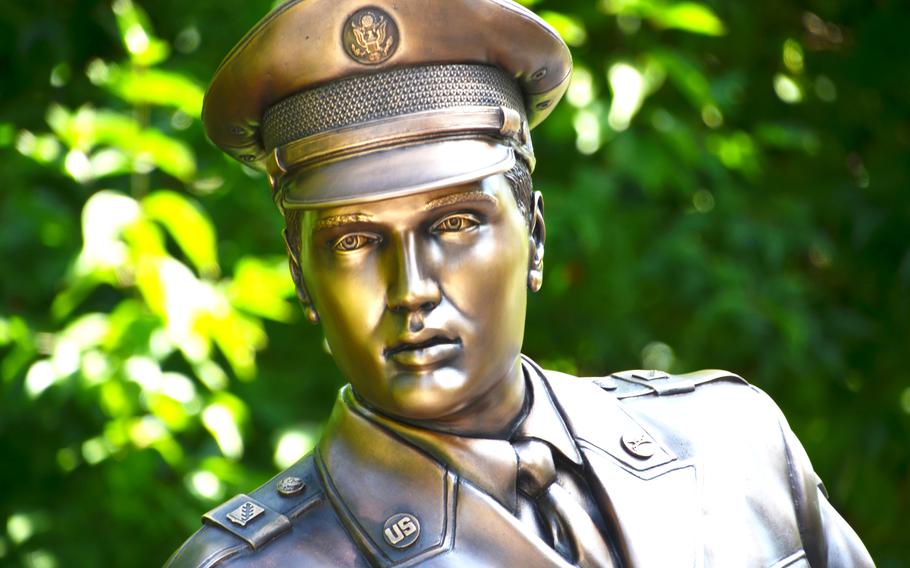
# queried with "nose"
point(412, 287)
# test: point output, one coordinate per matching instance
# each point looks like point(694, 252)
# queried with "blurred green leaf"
point(189, 227)
point(686, 75)
point(87, 128)
point(154, 87)
point(136, 33)
point(44, 149)
point(570, 28)
point(7, 134)
point(262, 288)
point(691, 17)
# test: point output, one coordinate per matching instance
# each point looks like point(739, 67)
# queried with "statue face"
point(421, 297)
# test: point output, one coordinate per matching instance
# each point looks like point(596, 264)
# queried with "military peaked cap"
point(349, 100)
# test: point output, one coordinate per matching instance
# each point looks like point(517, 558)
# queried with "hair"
point(519, 178)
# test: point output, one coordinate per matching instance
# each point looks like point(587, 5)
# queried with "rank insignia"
point(245, 513)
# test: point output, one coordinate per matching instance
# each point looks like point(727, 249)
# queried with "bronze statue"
point(396, 136)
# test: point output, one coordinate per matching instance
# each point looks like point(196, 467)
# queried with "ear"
point(297, 276)
point(537, 237)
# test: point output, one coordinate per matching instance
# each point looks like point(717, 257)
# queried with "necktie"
point(572, 531)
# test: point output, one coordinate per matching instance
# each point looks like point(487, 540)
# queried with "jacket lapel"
point(646, 493)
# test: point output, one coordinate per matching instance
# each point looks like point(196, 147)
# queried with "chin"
point(428, 395)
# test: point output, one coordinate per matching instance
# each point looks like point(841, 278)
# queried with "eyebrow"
point(460, 198)
point(338, 220)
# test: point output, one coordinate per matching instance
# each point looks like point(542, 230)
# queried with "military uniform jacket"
point(689, 470)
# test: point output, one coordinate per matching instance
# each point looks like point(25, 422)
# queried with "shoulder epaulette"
point(267, 513)
point(247, 523)
point(629, 384)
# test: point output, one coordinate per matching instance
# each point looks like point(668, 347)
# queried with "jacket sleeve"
point(827, 538)
point(209, 547)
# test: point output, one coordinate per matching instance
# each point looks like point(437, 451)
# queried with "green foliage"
point(726, 187)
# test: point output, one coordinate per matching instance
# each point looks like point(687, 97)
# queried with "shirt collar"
point(490, 463)
point(544, 420)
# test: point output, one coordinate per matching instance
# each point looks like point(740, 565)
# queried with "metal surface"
point(388, 128)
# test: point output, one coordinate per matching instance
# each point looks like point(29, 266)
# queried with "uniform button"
point(606, 383)
point(639, 444)
point(290, 486)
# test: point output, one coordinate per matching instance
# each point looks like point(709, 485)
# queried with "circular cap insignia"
point(370, 36)
point(639, 445)
point(401, 530)
point(291, 486)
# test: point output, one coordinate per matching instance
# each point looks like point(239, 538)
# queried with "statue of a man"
point(396, 136)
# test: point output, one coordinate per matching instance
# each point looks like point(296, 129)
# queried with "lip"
point(424, 350)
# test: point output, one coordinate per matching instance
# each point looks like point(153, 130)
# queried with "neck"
point(492, 415)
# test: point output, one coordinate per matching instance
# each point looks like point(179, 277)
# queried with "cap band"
point(423, 126)
point(368, 113)
point(396, 92)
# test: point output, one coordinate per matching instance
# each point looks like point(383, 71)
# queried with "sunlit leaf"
point(570, 28)
point(294, 443)
point(168, 154)
point(736, 151)
point(691, 17)
point(224, 418)
point(105, 217)
point(262, 288)
point(41, 376)
point(42, 148)
point(185, 304)
point(155, 87)
point(171, 413)
point(109, 162)
point(239, 337)
point(188, 225)
point(87, 331)
point(135, 31)
point(87, 128)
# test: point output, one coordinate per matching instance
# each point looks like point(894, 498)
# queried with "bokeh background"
point(726, 185)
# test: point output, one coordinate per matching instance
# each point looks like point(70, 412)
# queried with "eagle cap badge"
point(370, 36)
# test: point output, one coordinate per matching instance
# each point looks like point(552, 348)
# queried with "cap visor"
point(403, 170)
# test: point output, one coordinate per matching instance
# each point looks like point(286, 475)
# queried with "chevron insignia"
point(245, 513)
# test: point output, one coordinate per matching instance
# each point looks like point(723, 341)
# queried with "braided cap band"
point(397, 92)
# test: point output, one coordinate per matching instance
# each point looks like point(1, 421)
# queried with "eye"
point(458, 223)
point(354, 241)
